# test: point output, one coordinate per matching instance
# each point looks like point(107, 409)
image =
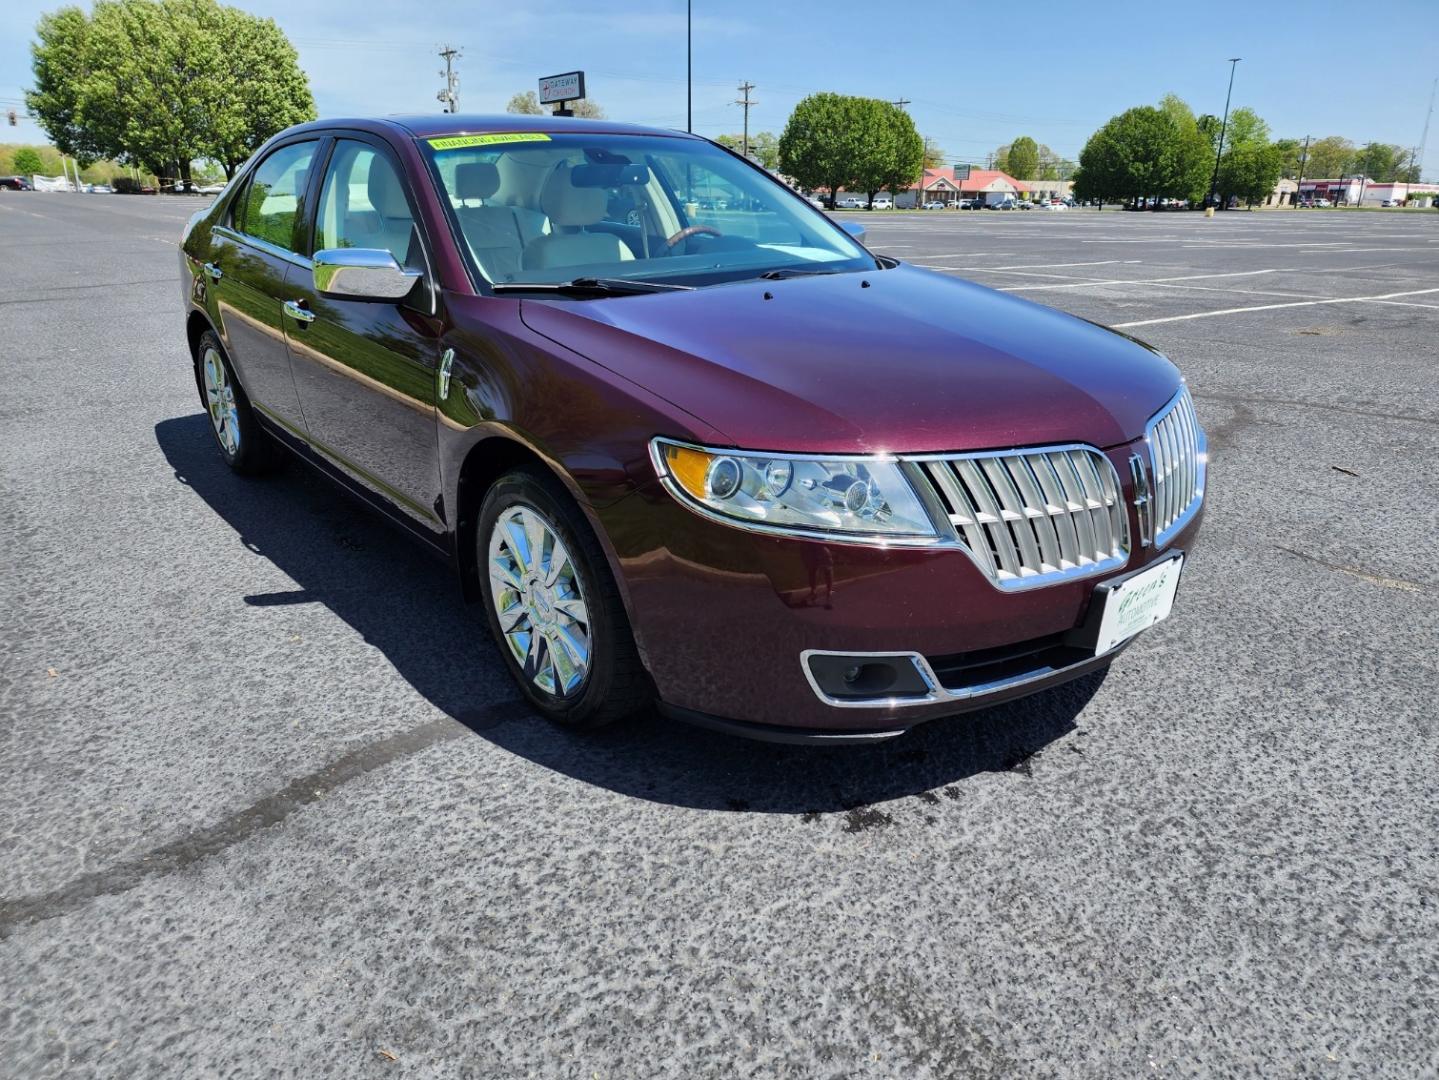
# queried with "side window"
point(363, 205)
point(270, 204)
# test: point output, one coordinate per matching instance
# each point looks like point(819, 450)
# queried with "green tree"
point(765, 148)
point(1250, 171)
point(1291, 153)
point(161, 83)
point(1380, 161)
point(880, 134)
point(821, 143)
point(1330, 158)
point(527, 103)
point(27, 161)
point(1145, 152)
point(1023, 159)
point(1245, 127)
point(933, 154)
point(906, 161)
point(256, 88)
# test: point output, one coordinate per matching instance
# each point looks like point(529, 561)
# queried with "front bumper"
point(723, 616)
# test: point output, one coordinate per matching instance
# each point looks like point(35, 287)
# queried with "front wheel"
point(553, 606)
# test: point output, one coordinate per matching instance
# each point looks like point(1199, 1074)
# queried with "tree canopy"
point(1329, 157)
point(1145, 152)
point(161, 83)
point(527, 103)
point(1022, 161)
point(763, 147)
point(834, 141)
point(27, 161)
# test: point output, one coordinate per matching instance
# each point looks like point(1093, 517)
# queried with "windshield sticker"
point(454, 142)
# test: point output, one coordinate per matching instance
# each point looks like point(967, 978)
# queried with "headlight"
point(855, 498)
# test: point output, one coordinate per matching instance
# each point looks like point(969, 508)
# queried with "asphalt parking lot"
point(270, 807)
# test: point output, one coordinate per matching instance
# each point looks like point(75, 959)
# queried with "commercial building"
point(1357, 190)
point(988, 185)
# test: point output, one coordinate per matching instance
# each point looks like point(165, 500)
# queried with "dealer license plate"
point(1138, 603)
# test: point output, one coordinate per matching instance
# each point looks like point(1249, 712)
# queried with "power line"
point(901, 103)
point(450, 95)
point(744, 99)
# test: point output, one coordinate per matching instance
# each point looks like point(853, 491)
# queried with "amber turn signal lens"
point(688, 467)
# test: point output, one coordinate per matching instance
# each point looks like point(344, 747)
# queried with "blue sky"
point(974, 82)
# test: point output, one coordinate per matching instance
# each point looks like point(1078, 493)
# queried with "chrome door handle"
point(299, 314)
point(214, 271)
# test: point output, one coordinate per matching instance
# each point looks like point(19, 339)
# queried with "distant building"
point(989, 185)
point(1357, 190)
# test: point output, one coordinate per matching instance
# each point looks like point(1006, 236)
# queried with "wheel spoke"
point(502, 575)
point(574, 649)
point(559, 562)
point(535, 533)
point(574, 609)
point(511, 617)
point(518, 544)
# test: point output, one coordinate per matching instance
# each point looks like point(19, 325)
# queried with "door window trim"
point(230, 231)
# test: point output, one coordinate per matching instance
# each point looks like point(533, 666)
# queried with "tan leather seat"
point(493, 230)
point(570, 210)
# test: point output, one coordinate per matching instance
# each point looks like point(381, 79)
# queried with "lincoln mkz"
point(686, 439)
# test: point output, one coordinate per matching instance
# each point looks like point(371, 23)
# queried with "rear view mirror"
point(854, 228)
point(609, 176)
point(362, 274)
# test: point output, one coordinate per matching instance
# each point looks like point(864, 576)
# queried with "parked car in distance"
point(1323, 203)
point(850, 202)
point(815, 201)
point(882, 202)
point(1003, 204)
point(1392, 202)
point(210, 189)
point(894, 496)
point(1054, 204)
point(15, 183)
point(935, 204)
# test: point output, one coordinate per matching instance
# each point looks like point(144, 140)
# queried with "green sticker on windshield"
point(454, 142)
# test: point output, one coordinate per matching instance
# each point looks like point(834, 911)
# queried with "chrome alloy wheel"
point(220, 401)
point(538, 600)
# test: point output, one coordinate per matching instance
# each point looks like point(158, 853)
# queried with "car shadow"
point(406, 604)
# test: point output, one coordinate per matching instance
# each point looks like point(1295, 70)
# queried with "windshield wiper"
point(590, 286)
point(792, 271)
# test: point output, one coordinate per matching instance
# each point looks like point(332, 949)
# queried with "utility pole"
point(901, 103)
point(450, 95)
point(1303, 160)
point(744, 99)
point(690, 66)
point(1223, 129)
point(1424, 139)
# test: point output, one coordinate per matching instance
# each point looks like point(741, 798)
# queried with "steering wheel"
point(692, 230)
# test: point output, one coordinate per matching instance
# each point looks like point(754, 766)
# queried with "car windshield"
point(546, 209)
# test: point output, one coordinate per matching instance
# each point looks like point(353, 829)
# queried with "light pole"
point(1223, 127)
point(690, 66)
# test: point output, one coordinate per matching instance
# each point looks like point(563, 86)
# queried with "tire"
point(538, 596)
point(246, 447)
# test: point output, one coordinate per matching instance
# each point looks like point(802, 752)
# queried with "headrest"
point(386, 195)
point(565, 204)
point(476, 179)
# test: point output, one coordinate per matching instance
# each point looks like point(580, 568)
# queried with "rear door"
point(367, 370)
point(253, 253)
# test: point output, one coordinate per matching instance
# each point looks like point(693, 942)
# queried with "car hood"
point(902, 360)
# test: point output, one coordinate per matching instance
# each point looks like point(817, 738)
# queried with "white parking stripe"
point(1273, 307)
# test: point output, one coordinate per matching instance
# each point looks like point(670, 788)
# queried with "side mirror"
point(854, 228)
point(362, 274)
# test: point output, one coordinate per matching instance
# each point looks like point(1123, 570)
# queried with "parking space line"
point(1274, 307)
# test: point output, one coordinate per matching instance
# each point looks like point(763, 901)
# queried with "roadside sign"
point(567, 87)
point(961, 172)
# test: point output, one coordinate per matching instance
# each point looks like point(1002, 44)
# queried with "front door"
point(252, 255)
point(366, 371)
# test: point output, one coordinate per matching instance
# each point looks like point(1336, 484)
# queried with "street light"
point(1223, 127)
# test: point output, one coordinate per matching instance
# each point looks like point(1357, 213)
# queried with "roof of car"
point(426, 125)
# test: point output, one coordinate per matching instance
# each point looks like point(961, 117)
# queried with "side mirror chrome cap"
point(854, 228)
point(362, 274)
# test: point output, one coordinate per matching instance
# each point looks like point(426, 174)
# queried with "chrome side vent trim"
point(1178, 450)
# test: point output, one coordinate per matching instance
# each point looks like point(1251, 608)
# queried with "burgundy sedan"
point(683, 436)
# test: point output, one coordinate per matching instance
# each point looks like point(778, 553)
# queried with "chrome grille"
point(1177, 446)
point(1034, 517)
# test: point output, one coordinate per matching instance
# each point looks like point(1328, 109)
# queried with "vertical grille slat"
point(1175, 445)
point(1035, 517)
